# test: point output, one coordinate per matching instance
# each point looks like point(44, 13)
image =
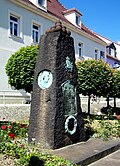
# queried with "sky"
point(100, 16)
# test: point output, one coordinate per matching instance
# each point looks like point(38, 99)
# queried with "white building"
point(22, 22)
point(112, 52)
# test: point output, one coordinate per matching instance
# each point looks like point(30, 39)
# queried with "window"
point(102, 54)
point(77, 20)
point(112, 52)
point(41, 2)
point(80, 49)
point(14, 25)
point(96, 54)
point(35, 33)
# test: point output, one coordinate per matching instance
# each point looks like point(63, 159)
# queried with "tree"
point(94, 77)
point(115, 90)
point(20, 68)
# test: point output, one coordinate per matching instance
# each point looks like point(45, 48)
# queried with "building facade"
point(112, 52)
point(22, 22)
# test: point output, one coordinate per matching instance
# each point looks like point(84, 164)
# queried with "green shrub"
point(20, 68)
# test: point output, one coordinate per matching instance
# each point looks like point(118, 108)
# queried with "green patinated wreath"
point(71, 125)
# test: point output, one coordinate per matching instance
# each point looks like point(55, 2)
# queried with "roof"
point(108, 41)
point(72, 10)
point(55, 8)
point(85, 29)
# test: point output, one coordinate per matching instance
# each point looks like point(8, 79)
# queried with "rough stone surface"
point(47, 118)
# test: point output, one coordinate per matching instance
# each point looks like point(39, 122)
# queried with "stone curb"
point(85, 153)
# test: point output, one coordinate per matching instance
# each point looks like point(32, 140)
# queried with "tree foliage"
point(94, 77)
point(20, 68)
point(115, 90)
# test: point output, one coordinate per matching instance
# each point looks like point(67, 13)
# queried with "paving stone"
point(110, 160)
point(85, 153)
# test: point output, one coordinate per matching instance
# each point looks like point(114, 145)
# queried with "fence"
point(14, 97)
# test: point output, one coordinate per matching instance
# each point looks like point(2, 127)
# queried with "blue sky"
point(101, 16)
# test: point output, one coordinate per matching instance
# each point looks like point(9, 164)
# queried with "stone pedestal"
point(55, 117)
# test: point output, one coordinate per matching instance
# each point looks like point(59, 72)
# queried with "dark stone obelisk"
point(55, 117)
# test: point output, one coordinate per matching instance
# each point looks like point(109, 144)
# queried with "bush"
point(20, 68)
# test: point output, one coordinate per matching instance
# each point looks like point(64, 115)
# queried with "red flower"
point(25, 127)
point(21, 125)
point(3, 127)
point(11, 135)
point(3, 118)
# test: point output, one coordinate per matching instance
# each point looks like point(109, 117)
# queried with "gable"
point(112, 46)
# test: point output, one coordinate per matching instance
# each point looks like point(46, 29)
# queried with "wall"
point(9, 45)
point(22, 112)
point(117, 50)
point(15, 113)
point(111, 62)
point(89, 46)
point(71, 17)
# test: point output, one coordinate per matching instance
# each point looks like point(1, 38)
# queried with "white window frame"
point(35, 33)
point(112, 52)
point(19, 23)
point(14, 26)
point(39, 25)
point(42, 4)
point(96, 54)
point(80, 48)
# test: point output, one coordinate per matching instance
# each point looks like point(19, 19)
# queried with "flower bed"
point(15, 150)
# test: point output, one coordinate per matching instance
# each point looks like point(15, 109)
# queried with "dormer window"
point(111, 50)
point(41, 2)
point(73, 16)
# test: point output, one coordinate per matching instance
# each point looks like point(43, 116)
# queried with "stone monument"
point(55, 117)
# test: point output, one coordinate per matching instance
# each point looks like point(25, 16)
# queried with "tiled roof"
point(55, 8)
point(85, 29)
point(72, 10)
